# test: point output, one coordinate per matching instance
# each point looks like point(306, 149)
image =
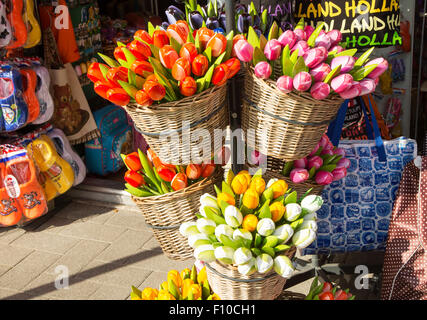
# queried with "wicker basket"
point(168, 127)
point(165, 213)
point(229, 284)
point(284, 126)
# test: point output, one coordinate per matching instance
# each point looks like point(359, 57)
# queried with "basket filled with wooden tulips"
point(248, 233)
point(185, 285)
point(323, 166)
point(295, 83)
point(168, 195)
point(171, 82)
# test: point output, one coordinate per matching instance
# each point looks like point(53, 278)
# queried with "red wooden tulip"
point(101, 88)
point(134, 178)
point(116, 74)
point(139, 49)
point(142, 68)
point(200, 65)
point(218, 44)
point(179, 181)
point(205, 35)
point(94, 73)
point(220, 75)
point(154, 90)
point(119, 54)
point(160, 38)
point(233, 65)
point(188, 51)
point(208, 170)
point(178, 32)
point(168, 56)
point(143, 35)
point(152, 77)
point(193, 171)
point(188, 87)
point(184, 25)
point(118, 96)
point(132, 161)
point(181, 69)
point(165, 173)
point(143, 98)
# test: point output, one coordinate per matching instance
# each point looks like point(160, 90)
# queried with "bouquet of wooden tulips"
point(327, 291)
point(165, 65)
point(251, 223)
point(323, 165)
point(187, 285)
point(310, 60)
point(148, 176)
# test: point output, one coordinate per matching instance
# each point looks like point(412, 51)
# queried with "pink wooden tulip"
point(344, 162)
point(302, 81)
point(353, 92)
point(315, 56)
point(273, 49)
point(302, 47)
point(339, 173)
point(324, 140)
point(323, 40)
point(316, 148)
point(320, 72)
point(367, 86)
point(299, 175)
point(263, 70)
point(380, 69)
point(301, 163)
point(257, 158)
point(340, 152)
point(320, 90)
point(342, 83)
point(315, 162)
point(288, 38)
point(335, 36)
point(308, 31)
point(346, 62)
point(285, 84)
point(244, 50)
point(338, 49)
point(324, 178)
point(329, 152)
point(300, 34)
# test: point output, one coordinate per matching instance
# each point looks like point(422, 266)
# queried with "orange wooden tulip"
point(143, 98)
point(208, 170)
point(116, 74)
point(179, 182)
point(101, 88)
point(139, 49)
point(218, 44)
point(178, 32)
point(188, 51)
point(143, 35)
point(233, 65)
point(152, 77)
point(205, 35)
point(193, 171)
point(118, 96)
point(119, 54)
point(184, 25)
point(94, 73)
point(181, 69)
point(220, 75)
point(188, 87)
point(154, 90)
point(200, 65)
point(142, 68)
point(168, 56)
point(165, 173)
point(160, 38)
point(154, 158)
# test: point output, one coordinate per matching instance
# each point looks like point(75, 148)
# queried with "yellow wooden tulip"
point(185, 273)
point(227, 198)
point(196, 289)
point(165, 295)
point(250, 222)
point(277, 210)
point(186, 284)
point(239, 184)
point(202, 276)
point(149, 294)
point(175, 277)
point(279, 188)
point(251, 199)
point(258, 184)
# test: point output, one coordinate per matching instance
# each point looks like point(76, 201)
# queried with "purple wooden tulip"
point(263, 70)
point(324, 178)
point(344, 162)
point(342, 83)
point(315, 162)
point(244, 50)
point(353, 92)
point(340, 152)
point(288, 38)
point(367, 86)
point(308, 31)
point(335, 36)
point(382, 67)
point(315, 56)
point(301, 163)
point(300, 34)
point(273, 49)
point(338, 49)
point(302, 81)
point(339, 173)
point(285, 84)
point(320, 72)
point(346, 62)
point(302, 47)
point(323, 40)
point(320, 90)
point(299, 175)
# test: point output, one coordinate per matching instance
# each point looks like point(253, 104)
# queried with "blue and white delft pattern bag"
point(357, 209)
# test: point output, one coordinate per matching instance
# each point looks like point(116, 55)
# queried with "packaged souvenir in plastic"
point(33, 27)
point(43, 94)
point(22, 197)
point(19, 27)
point(5, 27)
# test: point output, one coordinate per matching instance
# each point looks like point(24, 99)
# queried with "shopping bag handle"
point(335, 128)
